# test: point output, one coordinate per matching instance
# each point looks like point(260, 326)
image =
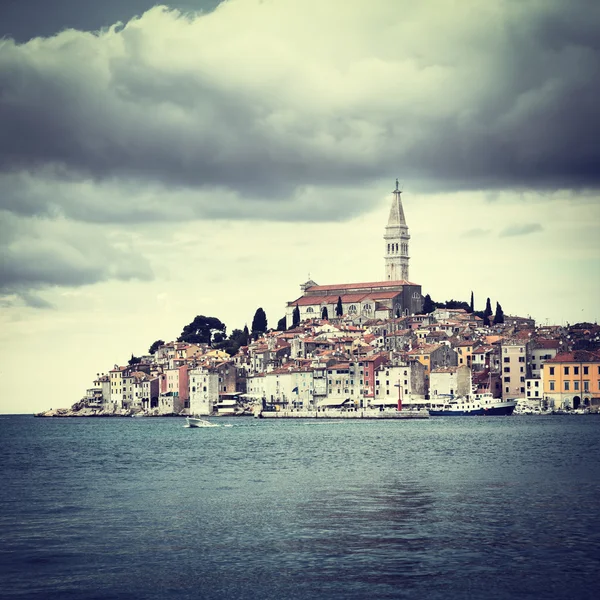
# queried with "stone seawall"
point(337, 414)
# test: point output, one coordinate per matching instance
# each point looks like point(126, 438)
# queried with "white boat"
point(197, 422)
point(475, 404)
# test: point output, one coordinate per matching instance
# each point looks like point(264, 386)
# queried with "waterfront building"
point(572, 379)
point(450, 381)
point(204, 390)
point(541, 350)
point(514, 368)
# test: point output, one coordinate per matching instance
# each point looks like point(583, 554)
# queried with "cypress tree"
point(472, 307)
point(499, 316)
point(281, 324)
point(428, 305)
point(259, 323)
point(296, 317)
point(339, 310)
point(324, 314)
point(487, 313)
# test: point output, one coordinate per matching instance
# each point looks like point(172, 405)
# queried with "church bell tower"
point(396, 241)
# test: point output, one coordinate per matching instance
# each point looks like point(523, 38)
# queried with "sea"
point(450, 507)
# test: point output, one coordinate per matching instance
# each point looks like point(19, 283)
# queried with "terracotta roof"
point(547, 344)
point(346, 298)
point(351, 286)
point(578, 356)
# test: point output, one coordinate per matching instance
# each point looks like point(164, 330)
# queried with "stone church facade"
point(395, 296)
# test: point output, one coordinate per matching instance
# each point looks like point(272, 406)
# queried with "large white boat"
point(472, 405)
point(197, 422)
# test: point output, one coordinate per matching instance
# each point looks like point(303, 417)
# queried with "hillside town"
point(362, 345)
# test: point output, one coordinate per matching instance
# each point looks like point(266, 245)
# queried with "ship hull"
point(504, 410)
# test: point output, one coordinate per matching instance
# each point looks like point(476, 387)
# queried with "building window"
point(506, 359)
point(521, 359)
point(585, 370)
point(575, 370)
point(310, 309)
point(586, 386)
point(552, 386)
point(551, 370)
point(507, 369)
point(567, 386)
point(566, 370)
point(576, 386)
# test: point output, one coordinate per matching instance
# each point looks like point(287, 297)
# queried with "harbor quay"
point(367, 413)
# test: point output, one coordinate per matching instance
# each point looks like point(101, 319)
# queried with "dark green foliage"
point(281, 324)
point(259, 323)
point(339, 309)
point(155, 346)
point(218, 338)
point(324, 314)
point(201, 330)
point(455, 304)
point(134, 360)
point(428, 305)
point(296, 317)
point(499, 316)
point(472, 306)
point(487, 313)
point(237, 339)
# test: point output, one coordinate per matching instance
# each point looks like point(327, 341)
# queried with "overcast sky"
point(201, 158)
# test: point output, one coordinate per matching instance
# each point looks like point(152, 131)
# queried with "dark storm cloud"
point(524, 229)
point(22, 20)
point(102, 108)
point(252, 111)
point(35, 254)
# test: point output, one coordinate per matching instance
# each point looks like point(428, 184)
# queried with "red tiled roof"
point(578, 356)
point(346, 298)
point(351, 286)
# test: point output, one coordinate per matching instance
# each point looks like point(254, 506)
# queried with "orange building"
point(572, 379)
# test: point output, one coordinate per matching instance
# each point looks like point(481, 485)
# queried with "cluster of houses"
point(360, 345)
point(351, 362)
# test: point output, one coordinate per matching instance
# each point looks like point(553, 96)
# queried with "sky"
point(205, 157)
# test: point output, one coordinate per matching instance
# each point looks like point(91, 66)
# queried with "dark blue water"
point(497, 507)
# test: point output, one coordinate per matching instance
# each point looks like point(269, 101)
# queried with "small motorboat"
point(196, 422)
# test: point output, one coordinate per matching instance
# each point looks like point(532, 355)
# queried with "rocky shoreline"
point(80, 409)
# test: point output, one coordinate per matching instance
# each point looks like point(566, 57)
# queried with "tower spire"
point(396, 239)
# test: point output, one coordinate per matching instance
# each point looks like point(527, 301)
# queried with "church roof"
point(346, 298)
point(356, 286)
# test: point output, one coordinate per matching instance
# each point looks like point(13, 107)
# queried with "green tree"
point(134, 360)
point(237, 339)
point(324, 314)
point(339, 309)
point(281, 324)
point(155, 346)
point(259, 323)
point(246, 337)
point(428, 305)
point(472, 305)
point(487, 313)
point(201, 330)
point(296, 317)
point(499, 316)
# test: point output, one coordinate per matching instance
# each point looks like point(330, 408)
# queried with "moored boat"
point(474, 405)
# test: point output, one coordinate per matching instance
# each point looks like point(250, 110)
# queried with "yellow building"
point(572, 379)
